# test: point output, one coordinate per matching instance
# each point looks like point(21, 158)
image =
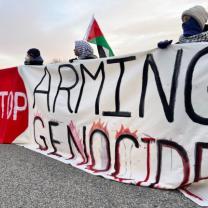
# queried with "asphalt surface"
point(29, 179)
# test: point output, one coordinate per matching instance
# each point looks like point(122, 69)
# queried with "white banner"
point(140, 118)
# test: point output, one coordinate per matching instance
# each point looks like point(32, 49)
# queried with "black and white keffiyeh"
point(202, 37)
point(84, 49)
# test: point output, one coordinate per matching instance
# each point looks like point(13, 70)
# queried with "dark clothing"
point(202, 37)
point(87, 57)
point(34, 61)
point(191, 27)
point(164, 44)
point(205, 28)
point(33, 52)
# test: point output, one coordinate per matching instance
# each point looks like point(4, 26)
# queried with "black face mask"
point(191, 27)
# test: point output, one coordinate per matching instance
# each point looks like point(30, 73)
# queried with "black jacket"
point(34, 61)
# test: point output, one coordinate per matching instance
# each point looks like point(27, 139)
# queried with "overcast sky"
point(53, 26)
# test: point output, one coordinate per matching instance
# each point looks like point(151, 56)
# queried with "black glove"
point(164, 44)
point(71, 60)
point(205, 28)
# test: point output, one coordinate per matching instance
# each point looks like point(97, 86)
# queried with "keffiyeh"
point(202, 37)
point(84, 49)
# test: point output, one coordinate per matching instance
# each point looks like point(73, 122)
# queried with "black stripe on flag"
point(101, 52)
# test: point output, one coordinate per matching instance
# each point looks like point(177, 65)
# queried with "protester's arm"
point(164, 44)
point(72, 60)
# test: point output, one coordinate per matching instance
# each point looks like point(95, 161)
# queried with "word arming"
point(149, 65)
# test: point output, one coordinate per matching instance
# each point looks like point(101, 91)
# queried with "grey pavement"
point(29, 179)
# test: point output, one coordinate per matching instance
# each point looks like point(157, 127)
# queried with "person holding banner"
point(33, 57)
point(193, 25)
point(83, 50)
point(194, 21)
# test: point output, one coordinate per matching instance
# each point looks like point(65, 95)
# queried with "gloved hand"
point(164, 44)
point(205, 28)
point(72, 60)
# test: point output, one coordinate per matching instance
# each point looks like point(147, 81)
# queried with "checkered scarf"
point(84, 49)
point(202, 37)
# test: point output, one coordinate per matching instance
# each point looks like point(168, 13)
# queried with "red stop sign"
point(13, 105)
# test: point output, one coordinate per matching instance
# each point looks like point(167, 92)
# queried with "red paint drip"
point(148, 141)
point(191, 194)
point(54, 153)
point(70, 158)
point(42, 148)
point(77, 140)
point(119, 179)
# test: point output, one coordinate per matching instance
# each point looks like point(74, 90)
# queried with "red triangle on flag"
point(94, 31)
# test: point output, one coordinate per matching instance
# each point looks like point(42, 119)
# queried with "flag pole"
point(89, 26)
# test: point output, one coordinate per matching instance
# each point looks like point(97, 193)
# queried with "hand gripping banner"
point(140, 118)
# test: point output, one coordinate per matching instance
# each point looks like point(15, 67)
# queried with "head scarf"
point(84, 49)
point(191, 27)
point(33, 52)
point(198, 13)
point(33, 57)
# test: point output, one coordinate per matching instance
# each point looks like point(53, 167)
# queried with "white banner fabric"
point(140, 118)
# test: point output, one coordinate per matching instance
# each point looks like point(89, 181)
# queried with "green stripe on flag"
point(101, 41)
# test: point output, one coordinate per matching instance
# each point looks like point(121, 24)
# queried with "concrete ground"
point(29, 179)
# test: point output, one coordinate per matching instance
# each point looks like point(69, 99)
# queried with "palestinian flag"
point(94, 35)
